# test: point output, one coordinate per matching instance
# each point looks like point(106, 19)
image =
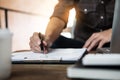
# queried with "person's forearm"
point(54, 28)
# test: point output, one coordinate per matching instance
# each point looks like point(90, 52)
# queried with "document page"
point(53, 54)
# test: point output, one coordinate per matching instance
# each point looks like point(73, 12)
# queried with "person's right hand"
point(35, 42)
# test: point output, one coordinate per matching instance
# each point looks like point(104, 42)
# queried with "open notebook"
point(68, 55)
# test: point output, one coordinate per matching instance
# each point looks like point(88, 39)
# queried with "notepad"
point(69, 54)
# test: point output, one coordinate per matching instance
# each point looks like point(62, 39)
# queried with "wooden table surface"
point(39, 72)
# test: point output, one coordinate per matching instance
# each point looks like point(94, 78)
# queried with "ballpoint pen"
point(42, 46)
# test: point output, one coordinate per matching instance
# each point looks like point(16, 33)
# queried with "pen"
point(41, 44)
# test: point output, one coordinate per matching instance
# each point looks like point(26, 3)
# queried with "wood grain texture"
point(38, 72)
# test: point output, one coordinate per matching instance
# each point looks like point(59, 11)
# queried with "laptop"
point(115, 43)
point(112, 58)
point(101, 66)
point(115, 40)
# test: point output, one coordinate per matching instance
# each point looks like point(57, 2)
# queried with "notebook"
point(93, 73)
point(69, 55)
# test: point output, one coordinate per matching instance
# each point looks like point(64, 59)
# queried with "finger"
point(101, 43)
point(36, 49)
point(33, 43)
point(35, 38)
point(89, 41)
point(87, 44)
point(45, 47)
point(94, 43)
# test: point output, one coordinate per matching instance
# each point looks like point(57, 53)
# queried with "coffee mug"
point(5, 53)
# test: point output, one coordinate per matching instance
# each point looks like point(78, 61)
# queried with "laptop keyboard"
point(101, 59)
point(103, 50)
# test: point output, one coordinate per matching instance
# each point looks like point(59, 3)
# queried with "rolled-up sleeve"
point(61, 10)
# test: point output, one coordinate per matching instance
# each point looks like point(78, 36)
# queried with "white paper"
point(54, 54)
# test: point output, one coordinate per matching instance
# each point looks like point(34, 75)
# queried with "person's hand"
point(35, 42)
point(98, 39)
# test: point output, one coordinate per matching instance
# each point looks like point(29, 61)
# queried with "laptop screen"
point(115, 41)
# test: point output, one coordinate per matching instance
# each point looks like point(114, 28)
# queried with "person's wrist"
point(49, 42)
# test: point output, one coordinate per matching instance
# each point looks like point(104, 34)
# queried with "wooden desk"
point(38, 72)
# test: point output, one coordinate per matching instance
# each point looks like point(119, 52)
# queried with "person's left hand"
point(98, 39)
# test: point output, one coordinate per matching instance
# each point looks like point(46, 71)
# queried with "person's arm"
point(54, 28)
point(58, 20)
point(57, 23)
point(98, 39)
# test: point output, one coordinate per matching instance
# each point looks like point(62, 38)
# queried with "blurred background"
point(27, 16)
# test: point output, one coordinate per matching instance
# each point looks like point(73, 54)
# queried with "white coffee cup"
point(5, 53)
